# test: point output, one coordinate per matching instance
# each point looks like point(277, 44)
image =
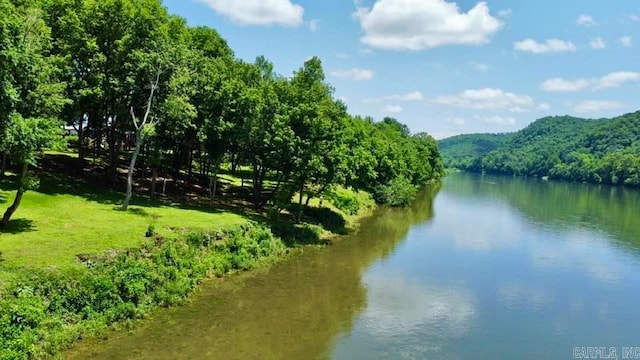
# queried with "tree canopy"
point(127, 74)
point(562, 147)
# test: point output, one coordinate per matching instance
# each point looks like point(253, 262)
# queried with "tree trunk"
point(256, 186)
point(212, 192)
point(234, 163)
point(187, 180)
point(132, 166)
point(3, 166)
point(299, 216)
point(16, 202)
point(154, 179)
point(112, 163)
point(97, 137)
point(81, 143)
point(113, 153)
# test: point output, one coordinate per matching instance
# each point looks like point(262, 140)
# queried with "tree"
point(24, 139)
point(314, 118)
point(265, 137)
point(30, 96)
point(143, 129)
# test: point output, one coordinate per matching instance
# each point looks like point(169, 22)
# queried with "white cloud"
point(497, 120)
point(480, 67)
point(259, 12)
point(597, 44)
point(314, 25)
point(486, 99)
point(412, 96)
point(420, 24)
point(585, 20)
point(615, 79)
point(562, 85)
point(505, 13)
point(611, 80)
point(457, 121)
point(626, 41)
point(399, 307)
point(634, 17)
point(353, 74)
point(392, 109)
point(549, 46)
point(595, 106)
point(544, 107)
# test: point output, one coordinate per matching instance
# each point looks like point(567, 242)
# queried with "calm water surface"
point(486, 267)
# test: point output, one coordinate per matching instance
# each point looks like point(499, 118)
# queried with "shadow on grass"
point(9, 184)
point(3, 198)
point(296, 234)
point(323, 217)
point(59, 176)
point(17, 226)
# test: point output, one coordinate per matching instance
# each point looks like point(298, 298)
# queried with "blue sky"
point(447, 67)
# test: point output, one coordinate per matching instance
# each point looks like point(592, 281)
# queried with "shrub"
point(351, 202)
point(45, 312)
point(151, 230)
point(397, 192)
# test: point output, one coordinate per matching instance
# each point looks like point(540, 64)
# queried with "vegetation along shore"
point(139, 157)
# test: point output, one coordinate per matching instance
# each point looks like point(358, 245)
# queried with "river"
point(485, 267)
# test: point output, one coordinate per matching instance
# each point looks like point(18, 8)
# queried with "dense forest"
point(466, 151)
point(142, 88)
point(562, 147)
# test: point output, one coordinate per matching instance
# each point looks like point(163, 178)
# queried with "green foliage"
point(39, 319)
point(351, 202)
point(599, 151)
point(398, 192)
point(465, 152)
point(90, 62)
point(151, 230)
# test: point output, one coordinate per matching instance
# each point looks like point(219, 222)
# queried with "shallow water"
point(486, 267)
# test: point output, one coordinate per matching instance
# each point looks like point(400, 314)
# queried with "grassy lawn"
point(50, 229)
point(68, 217)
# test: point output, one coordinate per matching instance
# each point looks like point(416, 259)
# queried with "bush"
point(45, 312)
point(151, 230)
point(398, 192)
point(351, 202)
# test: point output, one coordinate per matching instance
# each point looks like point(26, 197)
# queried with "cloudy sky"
point(447, 67)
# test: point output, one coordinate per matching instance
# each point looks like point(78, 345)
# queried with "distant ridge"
point(559, 147)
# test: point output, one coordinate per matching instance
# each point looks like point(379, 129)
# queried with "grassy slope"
point(49, 230)
point(65, 218)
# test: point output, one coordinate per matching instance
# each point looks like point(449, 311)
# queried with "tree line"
point(127, 74)
point(561, 147)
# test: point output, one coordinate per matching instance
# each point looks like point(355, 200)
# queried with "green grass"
point(49, 230)
point(68, 217)
point(72, 263)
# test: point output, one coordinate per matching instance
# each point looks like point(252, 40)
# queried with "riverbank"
point(79, 267)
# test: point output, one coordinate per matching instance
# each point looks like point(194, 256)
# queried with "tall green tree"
point(315, 119)
point(31, 93)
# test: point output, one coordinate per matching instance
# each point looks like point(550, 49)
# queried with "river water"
point(485, 267)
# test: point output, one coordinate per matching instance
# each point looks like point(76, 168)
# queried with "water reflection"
point(505, 272)
point(507, 268)
point(558, 205)
point(292, 311)
point(398, 307)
